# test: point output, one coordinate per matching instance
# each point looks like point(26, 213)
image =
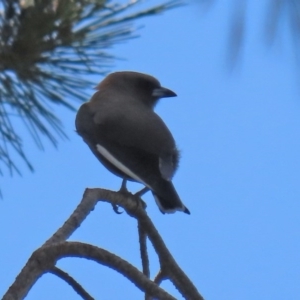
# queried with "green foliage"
point(48, 51)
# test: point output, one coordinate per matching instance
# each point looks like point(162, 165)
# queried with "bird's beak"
point(162, 92)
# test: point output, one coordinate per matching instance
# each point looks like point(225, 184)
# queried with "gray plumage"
point(129, 138)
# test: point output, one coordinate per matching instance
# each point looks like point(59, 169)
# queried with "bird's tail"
point(167, 198)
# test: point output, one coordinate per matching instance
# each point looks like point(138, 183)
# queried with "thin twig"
point(168, 263)
point(143, 250)
point(144, 254)
point(72, 282)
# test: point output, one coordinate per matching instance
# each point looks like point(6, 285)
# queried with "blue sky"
point(239, 174)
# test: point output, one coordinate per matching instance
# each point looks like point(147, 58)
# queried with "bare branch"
point(113, 261)
point(143, 250)
point(168, 264)
point(160, 277)
point(72, 282)
point(43, 260)
point(86, 205)
point(144, 254)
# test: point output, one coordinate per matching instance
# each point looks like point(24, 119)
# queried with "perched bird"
point(129, 138)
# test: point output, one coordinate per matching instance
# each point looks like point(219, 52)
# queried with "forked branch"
point(44, 259)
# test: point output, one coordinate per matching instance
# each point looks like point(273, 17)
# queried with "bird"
point(125, 134)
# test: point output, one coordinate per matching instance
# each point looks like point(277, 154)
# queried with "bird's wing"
point(168, 164)
point(144, 132)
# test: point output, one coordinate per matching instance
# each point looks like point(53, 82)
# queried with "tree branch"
point(168, 264)
point(144, 254)
point(160, 277)
point(86, 205)
point(72, 282)
point(44, 259)
point(143, 250)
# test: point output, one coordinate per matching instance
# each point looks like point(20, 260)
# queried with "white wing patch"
point(166, 167)
point(119, 165)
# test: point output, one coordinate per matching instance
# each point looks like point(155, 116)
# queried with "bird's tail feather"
point(167, 198)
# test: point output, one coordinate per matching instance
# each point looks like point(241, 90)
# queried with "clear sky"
point(239, 173)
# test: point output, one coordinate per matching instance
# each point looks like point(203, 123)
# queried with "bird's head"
point(138, 86)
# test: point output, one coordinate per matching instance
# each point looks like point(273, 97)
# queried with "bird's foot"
point(136, 196)
point(123, 188)
point(141, 192)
